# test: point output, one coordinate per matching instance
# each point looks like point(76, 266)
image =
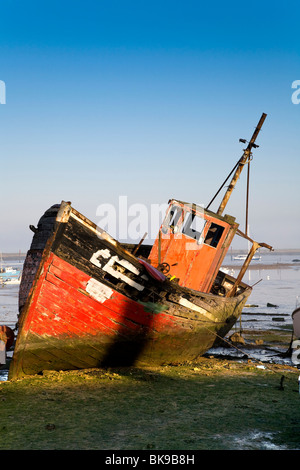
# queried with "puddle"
point(254, 440)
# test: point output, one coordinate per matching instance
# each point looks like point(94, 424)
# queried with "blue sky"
point(148, 100)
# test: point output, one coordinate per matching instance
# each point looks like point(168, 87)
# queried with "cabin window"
point(172, 219)
point(174, 216)
point(193, 226)
point(214, 235)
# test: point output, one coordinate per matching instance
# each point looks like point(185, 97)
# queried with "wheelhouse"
point(192, 243)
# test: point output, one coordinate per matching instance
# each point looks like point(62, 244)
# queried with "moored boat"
point(8, 274)
point(243, 256)
point(87, 300)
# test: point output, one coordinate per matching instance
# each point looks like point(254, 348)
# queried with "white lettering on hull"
point(111, 267)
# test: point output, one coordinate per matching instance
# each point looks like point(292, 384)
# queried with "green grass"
point(214, 404)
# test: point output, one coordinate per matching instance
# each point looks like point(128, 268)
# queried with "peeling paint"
point(98, 291)
point(186, 303)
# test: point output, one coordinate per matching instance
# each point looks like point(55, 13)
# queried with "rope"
point(223, 184)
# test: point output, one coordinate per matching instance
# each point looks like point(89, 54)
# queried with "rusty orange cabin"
point(192, 243)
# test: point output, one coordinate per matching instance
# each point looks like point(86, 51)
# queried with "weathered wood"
point(80, 313)
point(86, 300)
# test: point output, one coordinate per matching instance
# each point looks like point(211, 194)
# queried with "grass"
point(212, 404)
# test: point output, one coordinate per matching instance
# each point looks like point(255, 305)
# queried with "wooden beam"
point(242, 272)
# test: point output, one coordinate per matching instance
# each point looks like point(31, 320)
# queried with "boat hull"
point(85, 302)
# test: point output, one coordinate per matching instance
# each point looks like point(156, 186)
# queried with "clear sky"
point(148, 100)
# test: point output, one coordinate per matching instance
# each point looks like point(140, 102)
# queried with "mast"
point(243, 160)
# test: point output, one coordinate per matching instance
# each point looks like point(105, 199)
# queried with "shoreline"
point(263, 266)
point(228, 265)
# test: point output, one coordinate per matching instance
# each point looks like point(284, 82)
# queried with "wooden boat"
point(88, 301)
point(8, 274)
point(242, 257)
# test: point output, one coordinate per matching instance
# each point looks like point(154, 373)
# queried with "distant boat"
point(244, 256)
point(8, 274)
point(11, 280)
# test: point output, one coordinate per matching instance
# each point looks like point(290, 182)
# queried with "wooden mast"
point(243, 160)
point(238, 169)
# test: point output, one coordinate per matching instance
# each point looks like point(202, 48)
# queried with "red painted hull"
point(75, 317)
